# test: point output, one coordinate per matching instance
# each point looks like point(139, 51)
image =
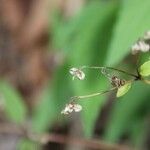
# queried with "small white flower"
point(147, 35)
point(144, 47)
point(70, 108)
point(135, 49)
point(77, 73)
point(77, 108)
point(140, 46)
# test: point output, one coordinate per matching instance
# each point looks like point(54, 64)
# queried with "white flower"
point(144, 47)
point(77, 108)
point(135, 49)
point(70, 108)
point(77, 73)
point(140, 46)
point(147, 35)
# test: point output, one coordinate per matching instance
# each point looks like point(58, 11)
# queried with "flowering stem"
point(111, 68)
point(130, 74)
point(92, 95)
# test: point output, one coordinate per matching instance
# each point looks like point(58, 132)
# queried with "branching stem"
point(92, 95)
point(111, 68)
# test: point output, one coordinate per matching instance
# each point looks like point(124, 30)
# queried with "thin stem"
point(127, 73)
point(111, 68)
point(92, 95)
point(91, 67)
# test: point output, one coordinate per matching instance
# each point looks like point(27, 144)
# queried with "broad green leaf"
point(144, 69)
point(123, 89)
point(15, 108)
point(127, 110)
point(132, 23)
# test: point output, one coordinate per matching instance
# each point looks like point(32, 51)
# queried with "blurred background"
point(40, 40)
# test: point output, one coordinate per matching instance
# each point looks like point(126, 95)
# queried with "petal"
point(73, 71)
point(77, 107)
point(80, 75)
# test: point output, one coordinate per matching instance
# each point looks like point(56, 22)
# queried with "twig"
point(61, 139)
point(88, 143)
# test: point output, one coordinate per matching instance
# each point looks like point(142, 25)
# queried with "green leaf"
point(123, 89)
point(127, 110)
point(15, 108)
point(144, 69)
point(45, 112)
point(25, 144)
point(132, 23)
point(139, 132)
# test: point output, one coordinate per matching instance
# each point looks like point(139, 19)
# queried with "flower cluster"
point(121, 86)
point(143, 45)
point(70, 108)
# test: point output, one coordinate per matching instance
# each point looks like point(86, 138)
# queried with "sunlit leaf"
point(123, 89)
point(144, 69)
point(15, 108)
point(133, 22)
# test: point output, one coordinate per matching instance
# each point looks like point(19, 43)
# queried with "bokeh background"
point(40, 40)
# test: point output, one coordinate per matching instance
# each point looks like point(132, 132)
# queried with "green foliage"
point(44, 113)
point(144, 69)
point(97, 21)
point(100, 34)
point(15, 108)
point(26, 144)
point(133, 22)
point(128, 110)
point(52, 101)
point(86, 37)
point(124, 89)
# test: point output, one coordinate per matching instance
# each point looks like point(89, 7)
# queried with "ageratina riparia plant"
point(121, 85)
